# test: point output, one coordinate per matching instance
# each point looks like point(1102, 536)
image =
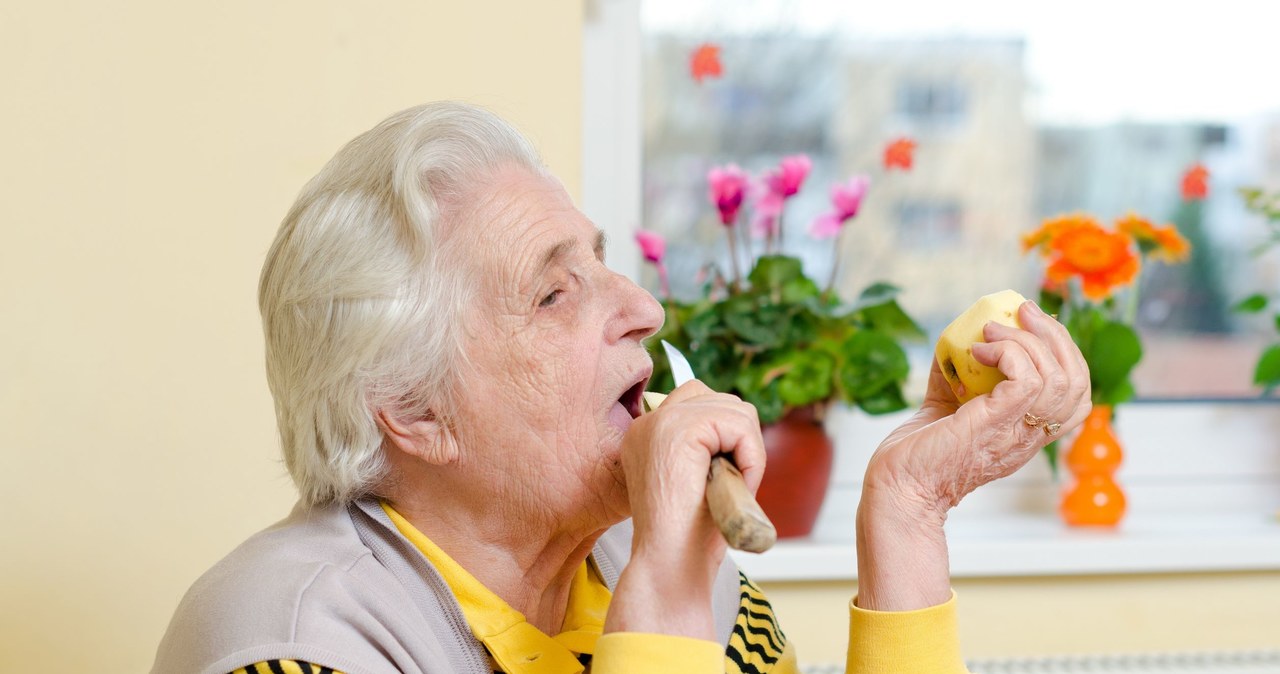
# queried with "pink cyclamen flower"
point(766, 208)
point(652, 246)
point(727, 185)
point(846, 198)
point(787, 179)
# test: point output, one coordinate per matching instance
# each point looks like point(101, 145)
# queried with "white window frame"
point(1203, 477)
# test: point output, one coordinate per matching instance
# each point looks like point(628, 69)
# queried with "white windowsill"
point(1042, 546)
point(1202, 480)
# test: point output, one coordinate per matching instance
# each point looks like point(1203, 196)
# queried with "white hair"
point(360, 309)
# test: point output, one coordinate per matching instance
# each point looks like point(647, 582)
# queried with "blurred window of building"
point(931, 104)
point(924, 224)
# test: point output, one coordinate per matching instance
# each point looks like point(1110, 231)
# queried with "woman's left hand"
point(925, 467)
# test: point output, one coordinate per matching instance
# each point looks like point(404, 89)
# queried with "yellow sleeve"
point(924, 641)
point(286, 666)
point(638, 653)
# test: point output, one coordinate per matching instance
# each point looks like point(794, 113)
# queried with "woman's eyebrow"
point(553, 255)
point(562, 248)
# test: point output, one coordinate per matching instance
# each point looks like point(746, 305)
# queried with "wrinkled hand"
point(947, 450)
point(666, 455)
point(677, 547)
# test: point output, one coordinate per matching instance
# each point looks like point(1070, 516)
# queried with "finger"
point(938, 390)
point(687, 390)
point(1013, 397)
point(1081, 413)
point(1053, 400)
point(1064, 349)
point(732, 429)
point(741, 439)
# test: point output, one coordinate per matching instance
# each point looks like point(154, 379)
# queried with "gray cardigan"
point(340, 586)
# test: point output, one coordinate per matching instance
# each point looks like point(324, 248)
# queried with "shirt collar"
point(517, 646)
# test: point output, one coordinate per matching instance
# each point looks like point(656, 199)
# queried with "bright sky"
point(1090, 60)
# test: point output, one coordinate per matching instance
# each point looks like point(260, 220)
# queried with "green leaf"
point(1112, 354)
point(890, 319)
point(774, 271)
point(704, 325)
point(874, 295)
point(807, 378)
point(1121, 393)
point(1251, 304)
point(886, 400)
point(750, 386)
point(872, 361)
point(1051, 302)
point(798, 290)
point(763, 326)
point(1267, 373)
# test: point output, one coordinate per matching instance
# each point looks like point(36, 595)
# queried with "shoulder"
point(281, 586)
point(279, 564)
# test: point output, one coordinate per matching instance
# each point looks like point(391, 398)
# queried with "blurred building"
point(946, 231)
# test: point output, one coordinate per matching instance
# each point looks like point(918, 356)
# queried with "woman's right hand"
point(677, 547)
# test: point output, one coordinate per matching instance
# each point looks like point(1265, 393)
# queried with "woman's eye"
point(551, 298)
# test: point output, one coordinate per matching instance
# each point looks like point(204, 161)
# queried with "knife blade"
point(736, 512)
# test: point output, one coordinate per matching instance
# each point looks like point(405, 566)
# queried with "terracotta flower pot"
point(798, 472)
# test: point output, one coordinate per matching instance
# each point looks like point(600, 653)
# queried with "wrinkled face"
point(555, 365)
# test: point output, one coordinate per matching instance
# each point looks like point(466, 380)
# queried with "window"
point(928, 225)
point(1036, 134)
point(1017, 119)
point(931, 104)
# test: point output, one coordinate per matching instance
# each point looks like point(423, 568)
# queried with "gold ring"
point(1033, 420)
point(1052, 429)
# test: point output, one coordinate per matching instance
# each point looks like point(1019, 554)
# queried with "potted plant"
point(1091, 283)
point(776, 338)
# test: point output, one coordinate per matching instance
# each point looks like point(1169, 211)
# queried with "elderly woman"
point(457, 380)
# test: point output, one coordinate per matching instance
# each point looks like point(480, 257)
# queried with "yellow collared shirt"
point(517, 647)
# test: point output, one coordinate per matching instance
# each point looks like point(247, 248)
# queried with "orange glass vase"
point(1094, 498)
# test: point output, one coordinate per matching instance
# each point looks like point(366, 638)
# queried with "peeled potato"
point(652, 399)
point(969, 378)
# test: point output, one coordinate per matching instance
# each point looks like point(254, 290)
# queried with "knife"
point(741, 521)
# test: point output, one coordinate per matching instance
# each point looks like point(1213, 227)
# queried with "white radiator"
point(1238, 662)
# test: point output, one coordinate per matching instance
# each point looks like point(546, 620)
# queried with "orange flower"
point(1163, 243)
point(1102, 259)
point(1195, 182)
point(899, 154)
point(705, 62)
point(1171, 246)
point(1052, 228)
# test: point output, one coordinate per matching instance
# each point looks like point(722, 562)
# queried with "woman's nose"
point(638, 313)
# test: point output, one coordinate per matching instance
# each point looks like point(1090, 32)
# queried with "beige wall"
point(148, 150)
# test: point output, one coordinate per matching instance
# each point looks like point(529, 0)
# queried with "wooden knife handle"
point(741, 521)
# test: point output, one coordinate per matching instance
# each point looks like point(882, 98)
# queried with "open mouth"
point(628, 406)
point(631, 399)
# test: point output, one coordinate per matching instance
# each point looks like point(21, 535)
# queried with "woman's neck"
point(525, 556)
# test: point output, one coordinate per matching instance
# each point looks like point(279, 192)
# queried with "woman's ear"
point(425, 438)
